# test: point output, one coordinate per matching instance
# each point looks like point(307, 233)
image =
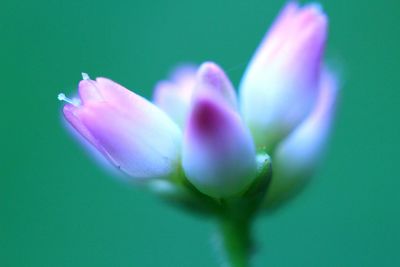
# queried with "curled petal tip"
point(85, 76)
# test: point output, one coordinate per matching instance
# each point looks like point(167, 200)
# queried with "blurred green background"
point(58, 208)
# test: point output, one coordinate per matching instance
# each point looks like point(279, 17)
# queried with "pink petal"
point(211, 77)
point(88, 91)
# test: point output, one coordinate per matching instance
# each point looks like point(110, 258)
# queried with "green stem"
point(235, 242)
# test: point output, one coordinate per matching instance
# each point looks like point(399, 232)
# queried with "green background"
point(58, 208)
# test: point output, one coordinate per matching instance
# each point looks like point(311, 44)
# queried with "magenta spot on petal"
point(208, 126)
point(207, 118)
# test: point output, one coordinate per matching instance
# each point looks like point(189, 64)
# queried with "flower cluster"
point(199, 133)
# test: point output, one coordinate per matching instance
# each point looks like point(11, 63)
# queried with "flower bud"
point(280, 85)
point(218, 153)
point(132, 133)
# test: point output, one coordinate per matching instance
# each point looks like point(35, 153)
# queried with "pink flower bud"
point(131, 132)
point(280, 85)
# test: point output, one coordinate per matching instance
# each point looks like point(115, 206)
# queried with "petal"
point(106, 90)
point(284, 18)
point(211, 77)
point(134, 134)
point(296, 158)
point(280, 85)
point(69, 114)
point(89, 92)
point(174, 96)
point(218, 153)
point(79, 132)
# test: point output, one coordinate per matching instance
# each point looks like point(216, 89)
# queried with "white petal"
point(296, 158)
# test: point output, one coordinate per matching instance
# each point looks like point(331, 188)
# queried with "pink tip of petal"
point(211, 74)
point(212, 79)
point(88, 91)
